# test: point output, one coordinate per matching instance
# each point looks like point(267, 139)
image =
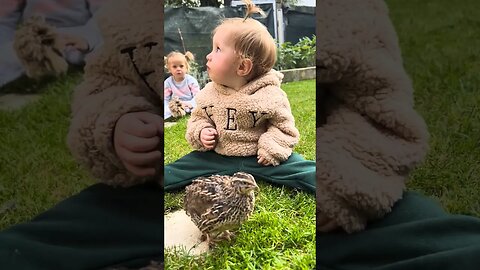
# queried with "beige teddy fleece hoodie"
point(256, 119)
point(369, 136)
point(113, 86)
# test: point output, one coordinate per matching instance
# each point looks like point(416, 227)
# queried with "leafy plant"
point(199, 74)
point(181, 3)
point(301, 54)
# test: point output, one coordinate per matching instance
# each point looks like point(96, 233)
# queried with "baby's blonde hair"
point(188, 58)
point(252, 40)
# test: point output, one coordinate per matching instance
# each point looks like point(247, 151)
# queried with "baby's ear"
point(245, 67)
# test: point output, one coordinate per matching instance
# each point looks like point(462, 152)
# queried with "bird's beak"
point(254, 188)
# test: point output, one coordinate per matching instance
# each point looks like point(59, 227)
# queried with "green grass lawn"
point(281, 232)
point(440, 41)
point(37, 169)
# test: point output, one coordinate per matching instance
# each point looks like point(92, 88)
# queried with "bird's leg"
point(226, 235)
point(230, 235)
point(214, 239)
point(205, 237)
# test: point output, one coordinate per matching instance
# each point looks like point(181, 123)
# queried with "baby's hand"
point(77, 42)
point(262, 160)
point(186, 106)
point(208, 138)
point(262, 157)
point(137, 140)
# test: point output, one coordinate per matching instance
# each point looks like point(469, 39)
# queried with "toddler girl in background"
point(180, 87)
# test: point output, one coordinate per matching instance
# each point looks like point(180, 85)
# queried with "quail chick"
point(219, 203)
point(37, 45)
point(175, 106)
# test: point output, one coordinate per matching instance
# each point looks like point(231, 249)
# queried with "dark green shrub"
point(302, 54)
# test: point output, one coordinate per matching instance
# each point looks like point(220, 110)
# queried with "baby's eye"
point(181, 66)
point(174, 66)
point(217, 49)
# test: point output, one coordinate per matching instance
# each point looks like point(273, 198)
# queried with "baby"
point(180, 88)
point(243, 112)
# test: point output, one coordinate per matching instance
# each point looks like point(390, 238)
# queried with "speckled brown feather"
point(220, 202)
point(36, 45)
point(175, 106)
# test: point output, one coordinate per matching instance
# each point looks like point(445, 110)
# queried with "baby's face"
point(222, 61)
point(177, 66)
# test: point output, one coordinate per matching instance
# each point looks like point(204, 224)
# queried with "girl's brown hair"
point(188, 58)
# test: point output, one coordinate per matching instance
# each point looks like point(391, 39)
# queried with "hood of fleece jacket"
point(272, 77)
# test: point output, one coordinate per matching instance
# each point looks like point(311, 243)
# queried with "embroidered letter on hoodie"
point(254, 118)
point(231, 114)
point(231, 117)
point(206, 112)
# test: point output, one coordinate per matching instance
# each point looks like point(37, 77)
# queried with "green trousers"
point(416, 235)
point(101, 227)
point(295, 172)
